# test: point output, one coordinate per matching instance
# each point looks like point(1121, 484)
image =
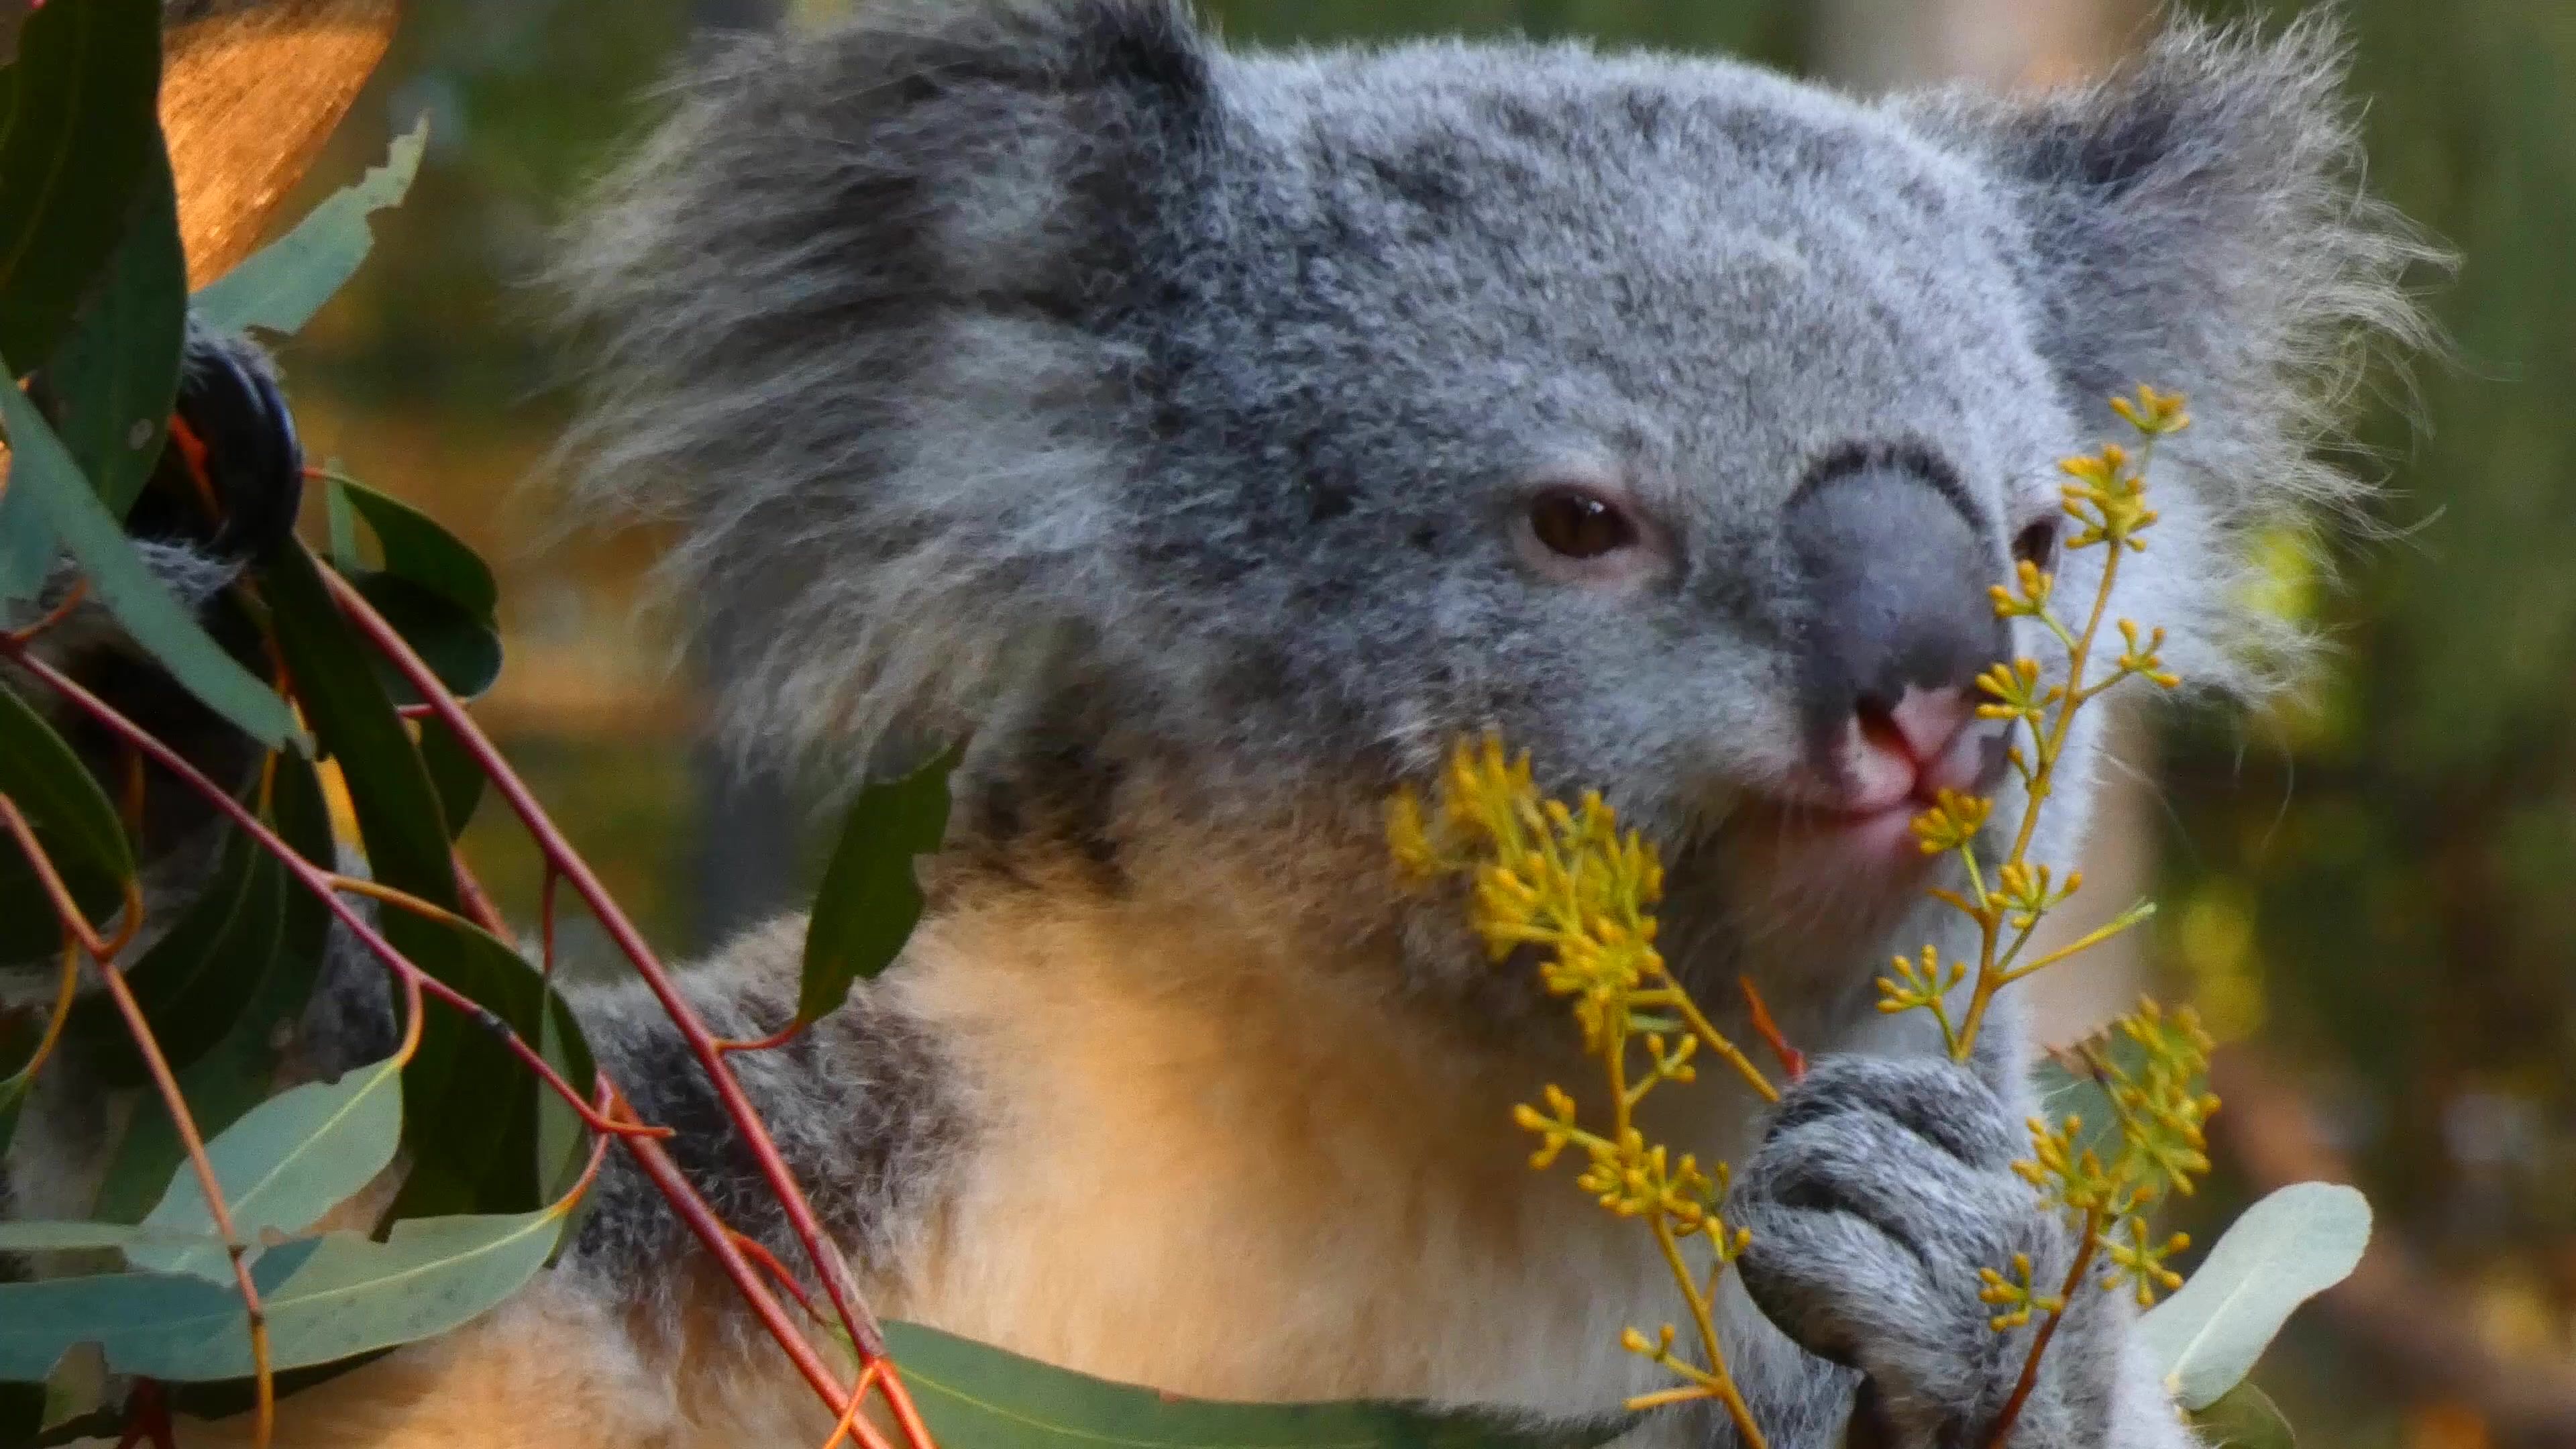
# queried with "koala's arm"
point(1881, 1189)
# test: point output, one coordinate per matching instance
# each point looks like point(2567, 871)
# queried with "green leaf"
point(283, 284)
point(55, 791)
point(195, 978)
point(2245, 1418)
point(326, 1298)
point(342, 519)
point(871, 897)
point(78, 132)
point(118, 374)
point(223, 1086)
point(357, 1295)
point(36, 1236)
point(147, 611)
point(436, 592)
point(138, 1318)
point(2286, 1249)
point(455, 774)
point(354, 719)
point(473, 1128)
point(292, 1159)
point(235, 1074)
point(563, 1139)
point(463, 651)
point(115, 379)
point(418, 548)
point(74, 823)
point(974, 1394)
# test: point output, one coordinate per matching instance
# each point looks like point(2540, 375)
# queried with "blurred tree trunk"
point(1876, 45)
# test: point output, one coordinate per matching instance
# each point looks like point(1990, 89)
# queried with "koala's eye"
point(1578, 523)
point(2037, 544)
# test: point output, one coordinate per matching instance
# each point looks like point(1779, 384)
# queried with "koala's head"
point(1261, 424)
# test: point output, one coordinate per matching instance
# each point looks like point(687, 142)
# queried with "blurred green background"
point(2370, 887)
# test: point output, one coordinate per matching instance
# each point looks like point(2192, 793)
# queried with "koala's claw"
point(1880, 1190)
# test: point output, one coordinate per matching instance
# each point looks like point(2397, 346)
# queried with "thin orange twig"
point(1793, 1062)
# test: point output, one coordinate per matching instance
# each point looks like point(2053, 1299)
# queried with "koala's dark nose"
point(1897, 579)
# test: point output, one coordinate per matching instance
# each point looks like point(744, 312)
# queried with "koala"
point(1210, 438)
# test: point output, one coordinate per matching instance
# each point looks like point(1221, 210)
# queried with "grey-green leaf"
point(870, 897)
point(2245, 1418)
point(41, 1236)
point(142, 1320)
point(283, 284)
point(2286, 1249)
point(129, 591)
point(292, 1159)
point(326, 1299)
point(971, 1393)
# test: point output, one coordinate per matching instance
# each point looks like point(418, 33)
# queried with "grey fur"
point(866, 1107)
point(1882, 1188)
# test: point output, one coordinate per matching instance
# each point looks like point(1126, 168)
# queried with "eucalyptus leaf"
point(117, 375)
point(420, 549)
point(74, 823)
point(871, 896)
point(143, 1321)
point(283, 284)
point(191, 981)
point(48, 782)
point(473, 1129)
point(2286, 1249)
point(234, 1075)
point(471, 1123)
point(2245, 1418)
point(291, 1160)
point(114, 379)
point(39, 1236)
point(354, 720)
point(326, 1298)
point(118, 577)
point(973, 1394)
point(462, 650)
point(456, 775)
point(77, 129)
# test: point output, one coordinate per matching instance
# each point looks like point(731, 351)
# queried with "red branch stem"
point(2029, 1379)
point(102, 953)
point(838, 1283)
point(723, 1242)
point(321, 882)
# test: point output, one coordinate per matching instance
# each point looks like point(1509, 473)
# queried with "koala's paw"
point(1881, 1189)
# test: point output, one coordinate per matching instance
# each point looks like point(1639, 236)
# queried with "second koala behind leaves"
point(1216, 437)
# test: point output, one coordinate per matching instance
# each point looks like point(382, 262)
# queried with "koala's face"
point(1672, 420)
point(1274, 422)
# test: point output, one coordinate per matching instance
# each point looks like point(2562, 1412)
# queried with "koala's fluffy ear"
point(2198, 222)
point(847, 320)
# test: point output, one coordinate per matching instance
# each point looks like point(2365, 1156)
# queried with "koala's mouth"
point(1849, 808)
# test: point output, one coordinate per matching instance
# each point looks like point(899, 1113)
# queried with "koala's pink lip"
point(1882, 838)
